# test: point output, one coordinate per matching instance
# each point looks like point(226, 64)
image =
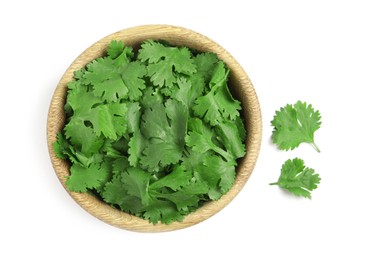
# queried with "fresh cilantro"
point(106, 80)
point(117, 48)
point(164, 127)
point(164, 64)
point(133, 77)
point(184, 91)
point(295, 124)
point(217, 104)
point(108, 119)
point(137, 144)
point(298, 179)
point(205, 64)
point(155, 134)
point(218, 174)
point(229, 136)
point(175, 180)
point(92, 177)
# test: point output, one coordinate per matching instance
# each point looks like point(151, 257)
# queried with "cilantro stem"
point(274, 183)
point(315, 147)
point(222, 152)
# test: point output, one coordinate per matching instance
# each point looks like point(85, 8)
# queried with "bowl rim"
point(177, 36)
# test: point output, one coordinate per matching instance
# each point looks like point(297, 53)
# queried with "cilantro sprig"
point(155, 132)
point(297, 178)
point(295, 124)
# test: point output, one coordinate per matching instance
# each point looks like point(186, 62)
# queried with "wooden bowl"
point(241, 89)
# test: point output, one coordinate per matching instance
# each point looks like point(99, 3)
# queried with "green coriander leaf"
point(241, 128)
point(154, 123)
point(177, 114)
point(181, 199)
point(136, 183)
point(74, 84)
point(150, 97)
point(164, 211)
point(83, 137)
point(112, 82)
point(196, 187)
point(60, 146)
point(159, 154)
point(133, 116)
point(199, 138)
point(82, 101)
point(84, 160)
point(164, 127)
point(133, 205)
point(115, 193)
point(109, 119)
point(117, 48)
point(93, 177)
point(294, 125)
point(298, 179)
point(106, 79)
point(120, 165)
point(119, 53)
point(187, 90)
point(136, 145)
point(192, 159)
point(219, 75)
point(230, 138)
point(166, 92)
point(217, 105)
point(228, 106)
point(217, 173)
point(132, 76)
point(65, 150)
point(153, 51)
point(206, 107)
point(113, 149)
point(175, 180)
point(78, 74)
point(205, 64)
point(164, 62)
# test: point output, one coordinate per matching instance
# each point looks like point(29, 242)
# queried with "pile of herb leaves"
point(154, 133)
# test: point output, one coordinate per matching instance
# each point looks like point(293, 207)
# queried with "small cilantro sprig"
point(297, 178)
point(154, 133)
point(295, 124)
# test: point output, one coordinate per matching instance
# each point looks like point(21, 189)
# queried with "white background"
point(308, 50)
